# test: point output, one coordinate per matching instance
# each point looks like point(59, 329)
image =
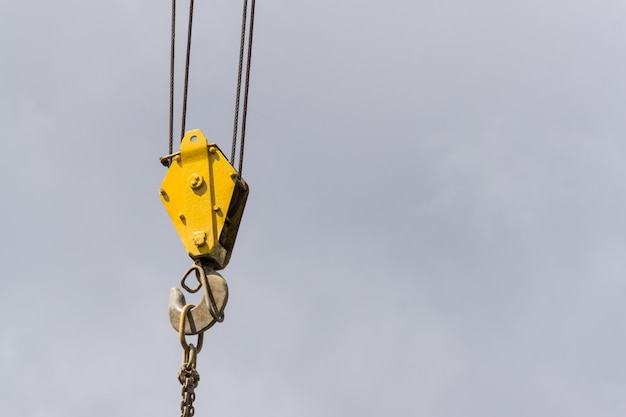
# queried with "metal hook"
point(210, 309)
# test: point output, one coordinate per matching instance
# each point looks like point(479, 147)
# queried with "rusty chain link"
point(188, 376)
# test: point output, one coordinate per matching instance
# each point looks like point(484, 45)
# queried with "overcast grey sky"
point(435, 225)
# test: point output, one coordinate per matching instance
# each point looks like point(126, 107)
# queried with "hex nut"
point(196, 181)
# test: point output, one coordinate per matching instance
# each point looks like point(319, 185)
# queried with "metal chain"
point(189, 378)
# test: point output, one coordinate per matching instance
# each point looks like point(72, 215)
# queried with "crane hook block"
point(204, 197)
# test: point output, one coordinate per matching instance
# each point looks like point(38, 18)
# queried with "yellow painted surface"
point(197, 192)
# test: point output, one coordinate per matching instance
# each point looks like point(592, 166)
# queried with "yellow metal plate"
point(197, 192)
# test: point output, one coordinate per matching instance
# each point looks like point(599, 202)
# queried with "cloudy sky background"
point(435, 225)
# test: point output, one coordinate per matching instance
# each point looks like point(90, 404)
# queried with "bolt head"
point(199, 238)
point(196, 181)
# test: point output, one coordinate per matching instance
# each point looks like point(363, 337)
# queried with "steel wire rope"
point(172, 52)
point(244, 21)
point(188, 57)
point(246, 85)
point(247, 88)
point(244, 25)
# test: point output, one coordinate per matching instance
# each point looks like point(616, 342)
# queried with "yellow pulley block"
point(204, 197)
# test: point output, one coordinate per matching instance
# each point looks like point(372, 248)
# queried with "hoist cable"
point(244, 21)
point(182, 132)
point(173, 48)
point(247, 87)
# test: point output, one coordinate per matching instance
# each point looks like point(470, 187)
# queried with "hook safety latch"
point(210, 309)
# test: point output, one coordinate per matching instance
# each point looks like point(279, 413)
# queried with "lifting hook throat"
point(211, 307)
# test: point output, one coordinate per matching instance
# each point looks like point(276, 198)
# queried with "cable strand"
point(172, 51)
point(244, 21)
point(247, 87)
point(188, 57)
